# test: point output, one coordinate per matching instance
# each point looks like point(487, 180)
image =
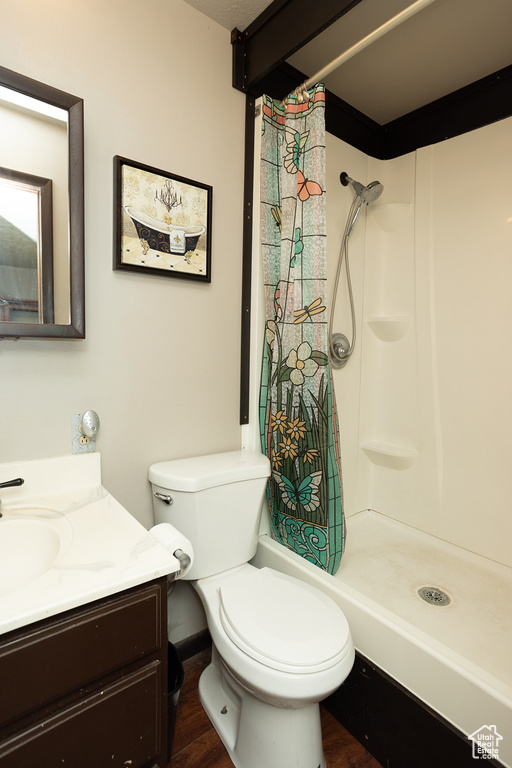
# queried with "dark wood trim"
point(397, 728)
point(190, 646)
point(260, 67)
point(341, 119)
point(76, 219)
point(358, 130)
point(36, 90)
point(265, 45)
point(47, 250)
point(245, 353)
point(275, 7)
point(481, 103)
point(237, 52)
point(281, 81)
point(43, 305)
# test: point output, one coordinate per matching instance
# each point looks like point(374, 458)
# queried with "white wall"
point(469, 180)
point(160, 362)
point(424, 405)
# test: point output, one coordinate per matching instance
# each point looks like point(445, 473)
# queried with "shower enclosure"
point(424, 419)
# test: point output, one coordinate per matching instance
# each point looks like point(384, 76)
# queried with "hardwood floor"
point(196, 742)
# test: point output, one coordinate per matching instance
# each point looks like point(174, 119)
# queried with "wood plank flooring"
point(196, 742)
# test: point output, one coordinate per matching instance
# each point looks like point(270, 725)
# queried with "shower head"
point(373, 191)
point(367, 194)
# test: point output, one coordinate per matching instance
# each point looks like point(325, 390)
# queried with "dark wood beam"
point(481, 103)
point(341, 118)
point(478, 104)
point(247, 234)
point(265, 46)
point(259, 66)
point(354, 127)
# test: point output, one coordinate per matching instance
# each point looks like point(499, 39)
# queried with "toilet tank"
point(216, 504)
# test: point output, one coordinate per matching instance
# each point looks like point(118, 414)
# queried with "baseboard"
point(397, 728)
point(190, 646)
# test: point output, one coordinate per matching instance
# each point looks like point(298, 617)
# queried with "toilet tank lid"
point(201, 472)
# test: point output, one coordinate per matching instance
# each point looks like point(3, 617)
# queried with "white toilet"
point(280, 646)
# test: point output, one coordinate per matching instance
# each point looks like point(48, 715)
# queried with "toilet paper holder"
point(176, 545)
point(183, 559)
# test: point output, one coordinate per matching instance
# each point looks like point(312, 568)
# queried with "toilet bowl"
point(280, 646)
point(282, 639)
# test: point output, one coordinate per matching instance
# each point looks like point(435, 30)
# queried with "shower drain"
point(433, 595)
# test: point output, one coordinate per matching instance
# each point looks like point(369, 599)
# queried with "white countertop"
point(104, 549)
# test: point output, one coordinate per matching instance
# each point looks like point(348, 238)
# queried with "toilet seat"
point(282, 622)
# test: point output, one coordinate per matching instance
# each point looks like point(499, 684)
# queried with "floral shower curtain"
point(298, 420)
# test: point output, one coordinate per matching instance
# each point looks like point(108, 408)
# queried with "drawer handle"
point(164, 498)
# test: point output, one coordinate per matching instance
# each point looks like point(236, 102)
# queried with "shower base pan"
point(455, 656)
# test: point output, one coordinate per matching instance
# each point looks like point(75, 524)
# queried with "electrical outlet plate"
point(80, 443)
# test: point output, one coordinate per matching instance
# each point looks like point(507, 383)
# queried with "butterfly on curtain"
point(295, 143)
point(306, 188)
point(276, 213)
point(305, 495)
point(308, 311)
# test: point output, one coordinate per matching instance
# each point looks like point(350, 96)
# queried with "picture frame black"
point(162, 222)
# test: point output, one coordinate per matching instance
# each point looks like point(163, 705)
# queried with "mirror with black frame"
point(41, 210)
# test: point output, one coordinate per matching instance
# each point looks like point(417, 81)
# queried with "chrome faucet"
point(10, 484)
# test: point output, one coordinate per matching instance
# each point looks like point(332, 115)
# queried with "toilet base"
point(257, 734)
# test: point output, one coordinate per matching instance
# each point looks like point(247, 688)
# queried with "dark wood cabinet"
point(88, 687)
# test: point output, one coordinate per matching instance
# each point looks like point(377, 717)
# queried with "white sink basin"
point(65, 541)
point(31, 540)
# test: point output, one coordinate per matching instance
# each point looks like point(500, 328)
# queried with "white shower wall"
point(424, 407)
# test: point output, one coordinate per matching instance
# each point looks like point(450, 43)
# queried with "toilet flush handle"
point(164, 498)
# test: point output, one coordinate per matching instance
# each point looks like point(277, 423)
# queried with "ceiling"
point(231, 14)
point(445, 46)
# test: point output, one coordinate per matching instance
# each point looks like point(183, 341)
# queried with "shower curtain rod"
point(395, 21)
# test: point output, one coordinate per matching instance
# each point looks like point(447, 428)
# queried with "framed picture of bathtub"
point(162, 222)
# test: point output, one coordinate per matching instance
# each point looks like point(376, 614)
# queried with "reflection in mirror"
point(42, 252)
point(26, 248)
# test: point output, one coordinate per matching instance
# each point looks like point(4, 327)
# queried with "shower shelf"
point(389, 455)
point(389, 327)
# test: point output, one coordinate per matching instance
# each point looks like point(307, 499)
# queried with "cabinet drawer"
point(117, 726)
point(37, 666)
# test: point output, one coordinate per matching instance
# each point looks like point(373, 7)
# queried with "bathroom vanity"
point(83, 624)
point(88, 687)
